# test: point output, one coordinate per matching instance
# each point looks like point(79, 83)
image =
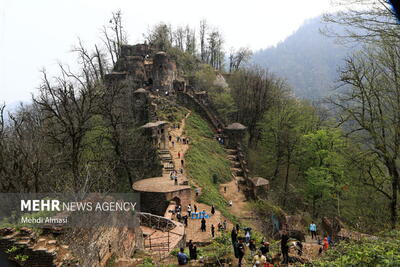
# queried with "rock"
point(52, 242)
point(25, 231)
point(6, 231)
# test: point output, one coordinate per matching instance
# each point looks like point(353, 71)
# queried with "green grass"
point(205, 158)
point(380, 251)
point(167, 110)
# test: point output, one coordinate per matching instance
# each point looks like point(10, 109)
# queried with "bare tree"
point(236, 58)
point(190, 44)
point(203, 45)
point(215, 47)
point(179, 36)
point(114, 36)
point(363, 20)
point(370, 109)
point(68, 105)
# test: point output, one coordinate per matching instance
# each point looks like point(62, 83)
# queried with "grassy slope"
point(204, 158)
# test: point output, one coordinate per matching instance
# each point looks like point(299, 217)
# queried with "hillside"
point(307, 59)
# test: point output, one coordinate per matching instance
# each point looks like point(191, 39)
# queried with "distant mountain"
point(308, 60)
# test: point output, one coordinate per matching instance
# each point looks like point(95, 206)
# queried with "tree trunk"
point(393, 202)
point(286, 180)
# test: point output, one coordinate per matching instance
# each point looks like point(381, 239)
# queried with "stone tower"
point(235, 133)
point(164, 72)
point(141, 106)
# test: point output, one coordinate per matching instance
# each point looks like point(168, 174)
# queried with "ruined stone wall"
point(95, 246)
point(191, 103)
point(152, 202)
point(183, 195)
point(141, 106)
point(136, 50)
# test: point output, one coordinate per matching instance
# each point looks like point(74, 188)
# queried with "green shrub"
point(382, 251)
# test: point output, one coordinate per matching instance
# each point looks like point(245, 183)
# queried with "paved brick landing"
point(158, 184)
point(193, 231)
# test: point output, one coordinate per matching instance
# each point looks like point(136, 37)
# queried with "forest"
point(335, 157)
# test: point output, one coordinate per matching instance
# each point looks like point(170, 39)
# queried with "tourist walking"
point(189, 209)
point(252, 248)
point(247, 236)
point(182, 162)
point(212, 210)
point(195, 208)
point(259, 260)
point(239, 251)
point(264, 248)
point(234, 235)
point(212, 230)
point(190, 244)
point(237, 228)
point(313, 230)
point(325, 244)
point(203, 225)
point(193, 252)
point(285, 247)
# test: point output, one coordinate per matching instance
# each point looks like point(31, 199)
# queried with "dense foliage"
point(382, 251)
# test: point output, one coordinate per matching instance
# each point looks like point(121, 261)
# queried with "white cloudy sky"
point(36, 34)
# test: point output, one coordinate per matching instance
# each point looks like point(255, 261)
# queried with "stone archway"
point(177, 201)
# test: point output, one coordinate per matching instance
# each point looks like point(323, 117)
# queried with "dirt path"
point(240, 207)
point(176, 148)
point(193, 231)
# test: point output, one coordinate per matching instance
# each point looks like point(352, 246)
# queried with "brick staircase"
point(236, 167)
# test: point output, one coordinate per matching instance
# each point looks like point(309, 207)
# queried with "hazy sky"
point(36, 34)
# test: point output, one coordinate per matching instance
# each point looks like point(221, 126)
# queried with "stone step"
point(235, 164)
point(231, 151)
point(239, 178)
point(236, 170)
point(232, 157)
point(22, 242)
point(163, 151)
point(52, 242)
point(166, 158)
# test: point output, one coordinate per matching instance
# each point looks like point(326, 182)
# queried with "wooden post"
point(168, 242)
point(150, 241)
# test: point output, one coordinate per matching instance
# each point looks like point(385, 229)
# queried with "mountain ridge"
point(307, 59)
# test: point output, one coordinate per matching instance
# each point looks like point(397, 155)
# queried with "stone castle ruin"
point(147, 68)
point(149, 75)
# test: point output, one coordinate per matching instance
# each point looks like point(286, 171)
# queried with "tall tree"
point(114, 36)
point(68, 104)
point(236, 58)
point(370, 109)
point(254, 91)
point(203, 45)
